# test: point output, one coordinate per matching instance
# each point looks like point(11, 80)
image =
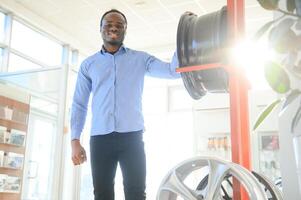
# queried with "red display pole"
point(238, 91)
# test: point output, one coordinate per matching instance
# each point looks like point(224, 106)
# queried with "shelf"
point(12, 145)
point(15, 104)
point(11, 171)
point(13, 125)
point(9, 192)
point(12, 148)
point(20, 111)
point(9, 196)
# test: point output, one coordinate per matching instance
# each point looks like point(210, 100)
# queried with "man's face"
point(113, 29)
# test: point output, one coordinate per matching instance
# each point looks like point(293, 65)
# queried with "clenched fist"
point(78, 152)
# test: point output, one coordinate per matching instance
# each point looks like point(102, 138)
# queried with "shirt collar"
point(122, 48)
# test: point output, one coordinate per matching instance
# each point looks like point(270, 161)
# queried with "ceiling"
point(152, 24)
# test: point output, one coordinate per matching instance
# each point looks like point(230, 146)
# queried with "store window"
point(17, 63)
point(35, 45)
point(2, 24)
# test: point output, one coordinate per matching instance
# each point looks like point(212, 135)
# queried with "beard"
point(114, 42)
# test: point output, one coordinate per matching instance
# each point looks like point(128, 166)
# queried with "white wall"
point(212, 120)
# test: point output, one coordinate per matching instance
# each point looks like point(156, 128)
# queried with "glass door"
point(39, 161)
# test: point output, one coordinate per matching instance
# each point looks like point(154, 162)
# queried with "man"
point(115, 77)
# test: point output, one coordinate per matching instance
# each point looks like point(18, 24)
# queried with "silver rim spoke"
point(217, 174)
point(173, 185)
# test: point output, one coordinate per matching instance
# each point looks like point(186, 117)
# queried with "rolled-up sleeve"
point(158, 68)
point(80, 101)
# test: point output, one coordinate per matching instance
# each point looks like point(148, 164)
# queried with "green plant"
point(285, 38)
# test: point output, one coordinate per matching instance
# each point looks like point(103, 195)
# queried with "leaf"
point(297, 70)
point(289, 99)
point(298, 25)
point(282, 38)
point(298, 7)
point(263, 29)
point(265, 113)
point(296, 119)
point(286, 24)
point(288, 42)
point(290, 5)
point(269, 4)
point(290, 60)
point(298, 41)
point(277, 77)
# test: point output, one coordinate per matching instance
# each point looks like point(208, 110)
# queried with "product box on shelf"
point(3, 178)
point(5, 112)
point(12, 184)
point(3, 131)
point(13, 160)
point(19, 116)
point(16, 137)
point(1, 158)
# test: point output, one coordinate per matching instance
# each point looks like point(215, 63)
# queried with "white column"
point(58, 181)
point(7, 41)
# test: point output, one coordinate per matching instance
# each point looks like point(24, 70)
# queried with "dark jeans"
point(127, 149)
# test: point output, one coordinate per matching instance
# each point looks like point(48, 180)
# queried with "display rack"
point(13, 128)
point(238, 90)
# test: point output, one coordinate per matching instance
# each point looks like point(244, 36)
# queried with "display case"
point(269, 163)
point(13, 128)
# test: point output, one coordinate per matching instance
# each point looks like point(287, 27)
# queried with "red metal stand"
point(238, 87)
point(238, 90)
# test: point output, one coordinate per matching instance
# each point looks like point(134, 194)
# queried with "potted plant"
point(284, 35)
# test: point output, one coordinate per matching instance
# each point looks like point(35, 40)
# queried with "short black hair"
point(111, 11)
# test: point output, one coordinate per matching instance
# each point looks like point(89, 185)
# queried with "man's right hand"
point(78, 152)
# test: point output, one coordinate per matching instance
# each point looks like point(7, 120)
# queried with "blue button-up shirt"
point(116, 83)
